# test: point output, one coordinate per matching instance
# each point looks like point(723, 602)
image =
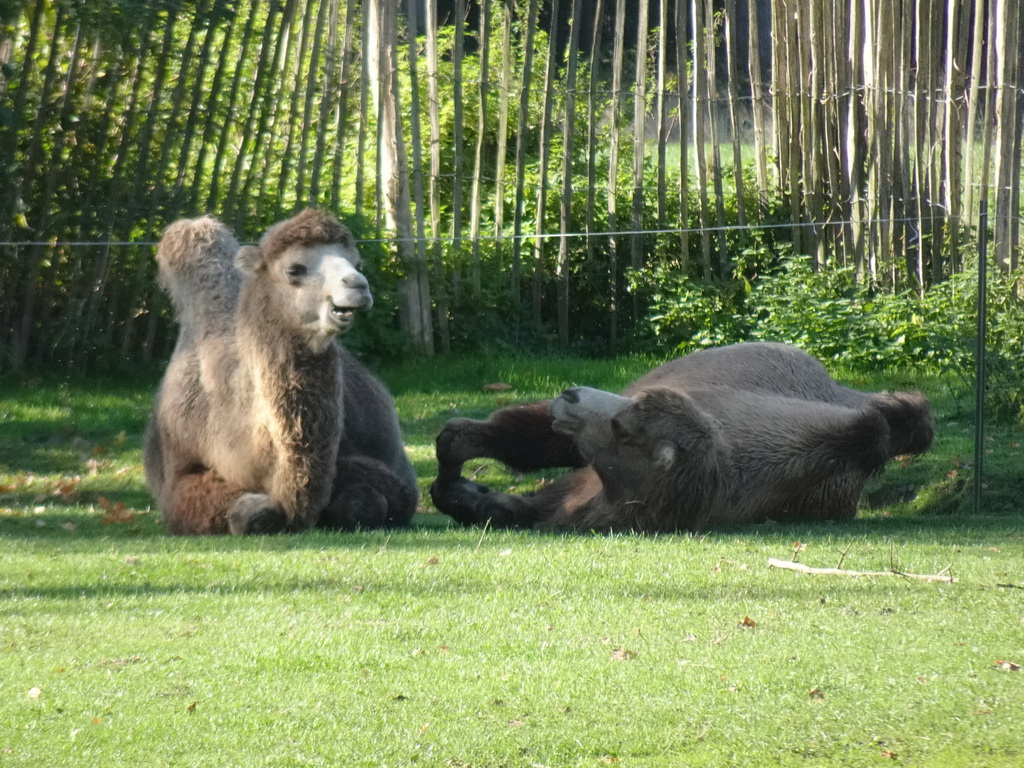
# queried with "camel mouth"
point(562, 420)
point(345, 314)
point(339, 318)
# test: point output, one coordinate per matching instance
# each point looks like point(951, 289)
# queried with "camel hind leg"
point(367, 494)
point(909, 416)
point(834, 499)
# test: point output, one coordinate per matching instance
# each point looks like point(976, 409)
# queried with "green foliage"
point(835, 317)
point(119, 117)
point(687, 313)
point(1005, 342)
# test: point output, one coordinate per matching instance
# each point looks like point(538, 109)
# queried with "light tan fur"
point(263, 422)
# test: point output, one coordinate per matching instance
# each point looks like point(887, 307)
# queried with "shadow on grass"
point(364, 587)
point(44, 449)
point(224, 566)
point(80, 524)
point(431, 530)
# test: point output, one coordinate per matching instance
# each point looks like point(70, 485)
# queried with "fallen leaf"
point(191, 708)
point(748, 622)
point(433, 561)
point(816, 694)
point(115, 513)
point(97, 720)
point(889, 754)
point(67, 489)
point(498, 386)
point(1006, 666)
point(18, 483)
point(621, 654)
point(35, 693)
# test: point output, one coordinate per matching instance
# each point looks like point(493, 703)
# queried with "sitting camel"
point(263, 421)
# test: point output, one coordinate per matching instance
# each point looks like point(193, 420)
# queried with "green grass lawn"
point(440, 646)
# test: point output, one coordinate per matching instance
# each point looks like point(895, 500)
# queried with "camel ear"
point(247, 259)
point(665, 453)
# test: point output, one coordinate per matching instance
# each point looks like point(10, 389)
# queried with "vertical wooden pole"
point(685, 123)
point(613, 174)
point(433, 108)
point(522, 135)
point(639, 141)
point(540, 228)
point(565, 211)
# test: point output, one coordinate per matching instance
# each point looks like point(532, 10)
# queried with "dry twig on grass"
point(801, 568)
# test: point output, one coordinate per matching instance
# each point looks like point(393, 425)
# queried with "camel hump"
point(196, 265)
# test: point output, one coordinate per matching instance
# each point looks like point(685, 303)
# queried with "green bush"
point(836, 318)
point(686, 313)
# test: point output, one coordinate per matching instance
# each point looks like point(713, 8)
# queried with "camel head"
point(307, 270)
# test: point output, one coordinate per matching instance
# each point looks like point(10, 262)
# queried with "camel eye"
point(621, 432)
point(295, 271)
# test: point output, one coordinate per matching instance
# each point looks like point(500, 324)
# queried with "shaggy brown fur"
point(308, 229)
point(263, 422)
point(737, 434)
